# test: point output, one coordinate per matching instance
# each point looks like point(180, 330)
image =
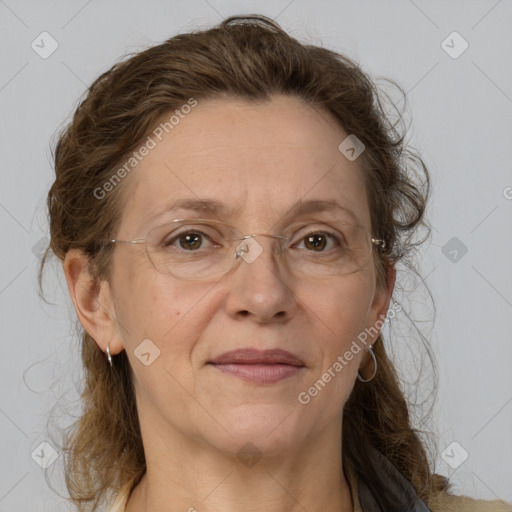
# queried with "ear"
point(92, 300)
point(381, 300)
point(377, 313)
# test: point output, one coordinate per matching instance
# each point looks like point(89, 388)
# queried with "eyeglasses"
point(201, 249)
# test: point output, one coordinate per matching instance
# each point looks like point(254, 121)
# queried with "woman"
point(230, 207)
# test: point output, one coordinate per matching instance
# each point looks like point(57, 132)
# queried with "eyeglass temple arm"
point(381, 244)
point(137, 241)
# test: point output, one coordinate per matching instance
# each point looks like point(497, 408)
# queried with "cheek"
point(145, 305)
point(339, 313)
point(169, 312)
point(342, 307)
point(153, 311)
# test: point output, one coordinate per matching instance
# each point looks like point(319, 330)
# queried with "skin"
point(260, 159)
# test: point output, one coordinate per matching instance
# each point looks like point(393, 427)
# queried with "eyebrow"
point(216, 208)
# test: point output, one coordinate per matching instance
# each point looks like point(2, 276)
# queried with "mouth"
point(261, 366)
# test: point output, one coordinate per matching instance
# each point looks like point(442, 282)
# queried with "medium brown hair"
point(252, 58)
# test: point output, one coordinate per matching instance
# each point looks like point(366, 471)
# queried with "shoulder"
point(445, 502)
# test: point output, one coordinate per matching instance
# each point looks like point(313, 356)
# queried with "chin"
point(267, 433)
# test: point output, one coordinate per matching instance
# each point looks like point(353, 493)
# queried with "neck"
point(197, 477)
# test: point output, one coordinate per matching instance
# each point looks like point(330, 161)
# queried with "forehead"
point(259, 159)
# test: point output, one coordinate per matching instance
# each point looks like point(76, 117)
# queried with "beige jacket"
point(443, 503)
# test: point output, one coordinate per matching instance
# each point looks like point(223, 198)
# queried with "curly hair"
point(251, 58)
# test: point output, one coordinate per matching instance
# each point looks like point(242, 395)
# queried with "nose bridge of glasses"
point(248, 248)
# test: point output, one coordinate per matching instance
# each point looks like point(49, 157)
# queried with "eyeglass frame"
point(380, 244)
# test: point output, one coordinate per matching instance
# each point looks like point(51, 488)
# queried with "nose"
point(260, 287)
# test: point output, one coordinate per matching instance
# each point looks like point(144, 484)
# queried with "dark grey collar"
point(390, 492)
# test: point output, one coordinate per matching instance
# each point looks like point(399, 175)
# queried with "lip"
point(261, 366)
point(255, 356)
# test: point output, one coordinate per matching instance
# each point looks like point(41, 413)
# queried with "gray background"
point(460, 110)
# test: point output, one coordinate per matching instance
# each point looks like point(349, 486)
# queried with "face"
point(258, 161)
